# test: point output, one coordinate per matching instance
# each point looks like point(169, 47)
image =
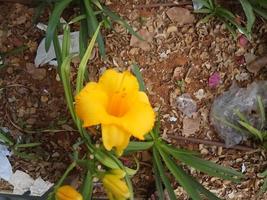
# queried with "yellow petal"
point(118, 172)
point(116, 186)
point(91, 104)
point(140, 119)
point(114, 81)
point(67, 192)
point(114, 136)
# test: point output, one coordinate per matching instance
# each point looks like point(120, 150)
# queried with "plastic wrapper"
point(245, 101)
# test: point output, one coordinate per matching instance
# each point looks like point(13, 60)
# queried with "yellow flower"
point(116, 188)
point(67, 192)
point(116, 103)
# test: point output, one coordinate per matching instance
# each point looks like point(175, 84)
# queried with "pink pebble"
point(214, 80)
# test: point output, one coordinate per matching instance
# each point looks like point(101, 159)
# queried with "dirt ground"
point(176, 58)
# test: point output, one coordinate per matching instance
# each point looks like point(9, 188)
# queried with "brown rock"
point(37, 73)
point(146, 35)
point(180, 15)
point(190, 126)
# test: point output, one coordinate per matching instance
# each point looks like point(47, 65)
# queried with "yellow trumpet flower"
point(116, 103)
point(115, 187)
point(67, 192)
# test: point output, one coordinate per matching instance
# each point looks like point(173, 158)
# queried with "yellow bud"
point(67, 192)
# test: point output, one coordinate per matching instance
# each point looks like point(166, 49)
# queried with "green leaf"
point(137, 146)
point(57, 51)
point(261, 11)
point(252, 130)
point(119, 20)
point(66, 41)
point(226, 122)
point(249, 14)
point(241, 116)
point(261, 111)
point(28, 145)
point(77, 19)
point(210, 168)
point(65, 78)
point(5, 139)
point(93, 24)
point(203, 11)
point(104, 158)
point(180, 176)
point(164, 178)
point(158, 181)
point(193, 188)
point(174, 151)
point(83, 64)
point(139, 77)
point(87, 187)
point(54, 20)
point(205, 3)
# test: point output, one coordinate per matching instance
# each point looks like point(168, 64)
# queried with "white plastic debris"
point(22, 182)
point(186, 105)
point(39, 187)
point(43, 57)
point(243, 168)
point(173, 119)
point(5, 166)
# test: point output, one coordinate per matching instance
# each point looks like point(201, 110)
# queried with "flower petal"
point(114, 136)
point(140, 119)
point(117, 187)
point(91, 104)
point(113, 81)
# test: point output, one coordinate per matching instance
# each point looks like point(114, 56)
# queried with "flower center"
point(118, 105)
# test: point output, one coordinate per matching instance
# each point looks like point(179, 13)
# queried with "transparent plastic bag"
point(245, 101)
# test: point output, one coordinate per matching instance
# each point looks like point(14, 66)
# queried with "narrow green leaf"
point(24, 155)
point(87, 187)
point(139, 77)
point(203, 11)
point(58, 51)
point(252, 130)
point(28, 145)
point(77, 19)
point(261, 11)
point(174, 151)
point(205, 3)
point(137, 146)
point(226, 122)
point(158, 181)
point(66, 41)
point(162, 174)
point(54, 20)
point(65, 78)
point(5, 139)
point(249, 14)
point(180, 176)
point(119, 20)
point(83, 64)
point(93, 25)
point(261, 111)
point(241, 116)
point(210, 168)
point(193, 188)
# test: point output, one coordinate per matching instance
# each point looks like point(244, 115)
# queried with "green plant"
point(213, 9)
point(92, 12)
point(259, 133)
point(17, 147)
point(165, 155)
